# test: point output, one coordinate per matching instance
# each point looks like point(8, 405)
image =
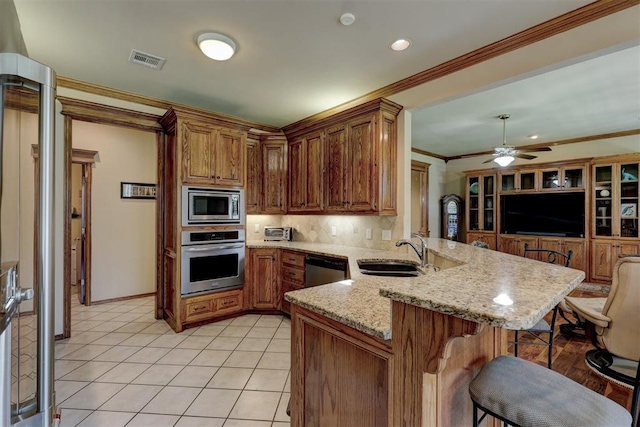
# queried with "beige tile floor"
point(121, 367)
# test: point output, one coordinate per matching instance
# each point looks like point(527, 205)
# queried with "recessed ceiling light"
point(533, 136)
point(400, 44)
point(216, 46)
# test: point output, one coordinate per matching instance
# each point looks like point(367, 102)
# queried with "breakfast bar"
point(401, 351)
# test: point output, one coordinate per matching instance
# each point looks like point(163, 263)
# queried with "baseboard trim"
point(58, 337)
point(106, 301)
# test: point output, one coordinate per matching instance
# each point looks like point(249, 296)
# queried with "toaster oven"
point(278, 233)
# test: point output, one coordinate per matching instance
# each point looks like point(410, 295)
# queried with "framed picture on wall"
point(628, 210)
point(136, 190)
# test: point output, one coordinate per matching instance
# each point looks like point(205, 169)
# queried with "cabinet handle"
point(218, 176)
point(227, 302)
point(199, 308)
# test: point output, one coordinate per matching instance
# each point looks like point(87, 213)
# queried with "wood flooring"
point(568, 359)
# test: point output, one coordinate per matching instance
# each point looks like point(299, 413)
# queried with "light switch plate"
point(333, 231)
point(368, 233)
point(386, 234)
point(355, 229)
point(256, 228)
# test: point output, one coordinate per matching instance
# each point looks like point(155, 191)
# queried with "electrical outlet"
point(386, 234)
point(368, 233)
point(333, 231)
point(256, 228)
point(355, 229)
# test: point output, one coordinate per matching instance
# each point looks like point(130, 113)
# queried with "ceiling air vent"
point(146, 59)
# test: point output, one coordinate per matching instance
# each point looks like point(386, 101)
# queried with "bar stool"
point(522, 393)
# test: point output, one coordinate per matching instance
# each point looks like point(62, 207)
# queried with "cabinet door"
point(297, 176)
point(265, 278)
point(489, 239)
point(629, 197)
point(507, 244)
point(229, 162)
point(488, 191)
point(306, 174)
point(336, 141)
point(573, 177)
point(603, 198)
point(527, 181)
point(627, 249)
point(579, 258)
point(254, 177)
point(362, 179)
point(314, 176)
point(520, 242)
point(274, 177)
point(197, 149)
point(602, 259)
point(578, 246)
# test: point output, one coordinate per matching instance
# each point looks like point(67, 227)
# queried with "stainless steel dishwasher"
point(320, 270)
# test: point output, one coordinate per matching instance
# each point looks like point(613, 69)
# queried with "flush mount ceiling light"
point(216, 46)
point(400, 44)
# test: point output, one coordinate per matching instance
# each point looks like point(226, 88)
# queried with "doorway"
point(80, 280)
point(420, 197)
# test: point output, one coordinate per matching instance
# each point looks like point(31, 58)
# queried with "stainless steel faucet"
point(421, 250)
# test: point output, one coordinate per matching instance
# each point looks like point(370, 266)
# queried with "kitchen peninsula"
point(396, 351)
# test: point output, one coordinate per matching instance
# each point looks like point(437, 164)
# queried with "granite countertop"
point(466, 290)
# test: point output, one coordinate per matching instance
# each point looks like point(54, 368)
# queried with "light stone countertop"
point(466, 290)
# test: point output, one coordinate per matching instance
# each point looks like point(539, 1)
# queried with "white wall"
point(123, 230)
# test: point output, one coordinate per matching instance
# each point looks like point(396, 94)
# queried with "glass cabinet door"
point(488, 205)
point(573, 178)
point(508, 181)
point(629, 199)
point(473, 197)
point(603, 198)
point(527, 180)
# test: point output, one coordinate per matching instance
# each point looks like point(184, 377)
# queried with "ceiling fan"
point(506, 154)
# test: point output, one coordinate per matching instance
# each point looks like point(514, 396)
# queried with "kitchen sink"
point(402, 268)
point(389, 268)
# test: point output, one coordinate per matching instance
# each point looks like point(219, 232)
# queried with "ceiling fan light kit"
point(506, 154)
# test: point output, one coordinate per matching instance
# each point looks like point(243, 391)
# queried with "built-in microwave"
point(205, 206)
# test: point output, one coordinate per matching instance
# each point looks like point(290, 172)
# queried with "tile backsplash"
point(350, 230)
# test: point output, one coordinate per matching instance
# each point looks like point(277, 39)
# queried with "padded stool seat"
point(526, 394)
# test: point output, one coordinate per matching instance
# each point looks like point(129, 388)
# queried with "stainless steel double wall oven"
point(212, 259)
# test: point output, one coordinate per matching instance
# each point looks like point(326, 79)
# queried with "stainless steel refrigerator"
point(27, 395)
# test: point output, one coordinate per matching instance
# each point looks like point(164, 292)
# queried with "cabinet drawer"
point(294, 275)
point(229, 303)
point(195, 310)
point(293, 258)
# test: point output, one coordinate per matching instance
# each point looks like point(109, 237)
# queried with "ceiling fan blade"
point(487, 161)
point(524, 156)
point(534, 150)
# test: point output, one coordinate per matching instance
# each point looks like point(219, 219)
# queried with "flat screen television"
point(548, 214)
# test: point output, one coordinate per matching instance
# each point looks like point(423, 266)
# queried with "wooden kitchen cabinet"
point(563, 178)
point(605, 254)
point(518, 181)
point(306, 174)
point(254, 179)
point(579, 259)
point(488, 238)
point(360, 161)
point(264, 278)
point(481, 208)
point(293, 269)
point(266, 189)
point(210, 306)
point(212, 155)
point(514, 245)
point(274, 176)
point(210, 150)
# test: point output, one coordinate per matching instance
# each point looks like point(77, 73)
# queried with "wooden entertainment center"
point(611, 200)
